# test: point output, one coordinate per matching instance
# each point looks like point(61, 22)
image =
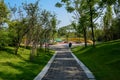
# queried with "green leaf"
point(58, 4)
point(70, 9)
point(64, 1)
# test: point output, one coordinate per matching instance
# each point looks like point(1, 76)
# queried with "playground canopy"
point(58, 40)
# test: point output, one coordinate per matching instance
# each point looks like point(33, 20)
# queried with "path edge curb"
point(86, 70)
point(45, 69)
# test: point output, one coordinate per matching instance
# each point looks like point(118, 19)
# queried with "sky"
point(49, 5)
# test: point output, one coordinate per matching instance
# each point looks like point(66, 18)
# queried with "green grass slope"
point(18, 67)
point(103, 61)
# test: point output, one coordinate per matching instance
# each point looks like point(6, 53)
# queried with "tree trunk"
point(33, 51)
point(41, 44)
point(32, 54)
point(79, 38)
point(67, 37)
point(85, 36)
point(53, 38)
point(45, 47)
point(17, 47)
point(91, 24)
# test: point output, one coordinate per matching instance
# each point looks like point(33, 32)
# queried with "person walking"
point(70, 45)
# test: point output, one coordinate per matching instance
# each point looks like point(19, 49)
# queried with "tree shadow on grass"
point(26, 71)
point(8, 50)
point(22, 58)
point(42, 58)
point(26, 47)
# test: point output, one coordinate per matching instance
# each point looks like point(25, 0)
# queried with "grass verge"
point(103, 61)
point(18, 67)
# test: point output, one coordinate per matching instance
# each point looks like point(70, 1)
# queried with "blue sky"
point(49, 5)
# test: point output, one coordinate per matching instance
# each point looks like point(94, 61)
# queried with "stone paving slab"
point(64, 66)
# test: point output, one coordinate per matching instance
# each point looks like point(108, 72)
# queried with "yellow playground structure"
point(78, 40)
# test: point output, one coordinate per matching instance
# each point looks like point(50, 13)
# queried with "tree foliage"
point(3, 12)
point(88, 12)
point(34, 28)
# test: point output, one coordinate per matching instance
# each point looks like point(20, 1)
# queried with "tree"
point(32, 10)
point(80, 10)
point(91, 4)
point(4, 38)
point(17, 27)
point(53, 26)
point(45, 20)
point(115, 28)
point(117, 8)
point(62, 31)
point(78, 29)
point(107, 19)
point(117, 21)
point(108, 23)
point(17, 31)
point(3, 12)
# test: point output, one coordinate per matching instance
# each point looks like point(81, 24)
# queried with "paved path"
point(64, 66)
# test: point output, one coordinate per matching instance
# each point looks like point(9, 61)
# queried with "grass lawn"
point(18, 67)
point(103, 61)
